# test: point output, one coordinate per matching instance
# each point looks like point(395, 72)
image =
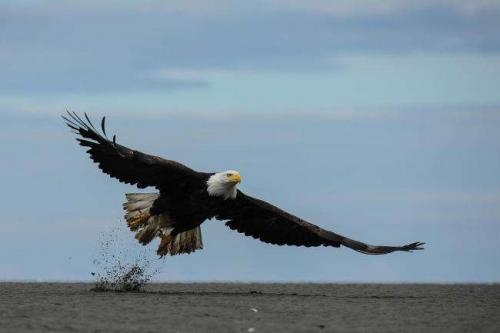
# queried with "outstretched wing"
point(266, 222)
point(127, 165)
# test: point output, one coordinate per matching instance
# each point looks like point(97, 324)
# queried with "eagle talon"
point(139, 220)
point(164, 244)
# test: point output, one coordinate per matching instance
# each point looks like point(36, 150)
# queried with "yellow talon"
point(164, 243)
point(138, 220)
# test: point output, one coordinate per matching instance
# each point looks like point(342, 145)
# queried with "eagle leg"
point(163, 249)
point(138, 220)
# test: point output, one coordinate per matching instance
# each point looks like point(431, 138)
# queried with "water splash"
point(121, 263)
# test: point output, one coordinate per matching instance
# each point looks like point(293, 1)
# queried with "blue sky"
point(378, 120)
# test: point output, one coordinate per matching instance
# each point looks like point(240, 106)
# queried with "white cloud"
point(185, 74)
point(192, 7)
point(223, 7)
point(189, 7)
point(462, 196)
point(370, 7)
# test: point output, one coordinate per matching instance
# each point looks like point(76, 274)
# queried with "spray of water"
point(121, 264)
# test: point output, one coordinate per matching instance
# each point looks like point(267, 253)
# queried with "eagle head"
point(223, 184)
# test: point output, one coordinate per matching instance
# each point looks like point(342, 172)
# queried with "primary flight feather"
point(187, 198)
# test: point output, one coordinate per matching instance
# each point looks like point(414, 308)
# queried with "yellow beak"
point(236, 178)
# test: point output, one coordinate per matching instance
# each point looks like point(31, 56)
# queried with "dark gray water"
point(223, 307)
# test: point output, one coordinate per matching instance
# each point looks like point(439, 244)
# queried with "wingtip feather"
point(414, 246)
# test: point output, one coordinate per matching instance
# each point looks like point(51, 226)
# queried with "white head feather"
point(223, 184)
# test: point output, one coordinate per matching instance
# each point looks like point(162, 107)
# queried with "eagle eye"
point(229, 174)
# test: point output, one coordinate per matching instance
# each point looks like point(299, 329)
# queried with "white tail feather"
point(149, 226)
point(184, 242)
point(139, 201)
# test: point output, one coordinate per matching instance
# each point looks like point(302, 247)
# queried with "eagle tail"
point(138, 209)
point(183, 242)
point(148, 226)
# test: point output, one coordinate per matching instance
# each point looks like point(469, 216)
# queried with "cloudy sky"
point(377, 119)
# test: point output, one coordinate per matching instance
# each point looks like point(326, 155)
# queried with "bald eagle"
point(187, 198)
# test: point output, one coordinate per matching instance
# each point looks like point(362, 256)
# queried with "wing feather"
point(270, 224)
point(125, 164)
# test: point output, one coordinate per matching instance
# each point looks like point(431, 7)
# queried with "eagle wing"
point(270, 224)
point(127, 165)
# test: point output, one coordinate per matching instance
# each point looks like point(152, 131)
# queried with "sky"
point(376, 119)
